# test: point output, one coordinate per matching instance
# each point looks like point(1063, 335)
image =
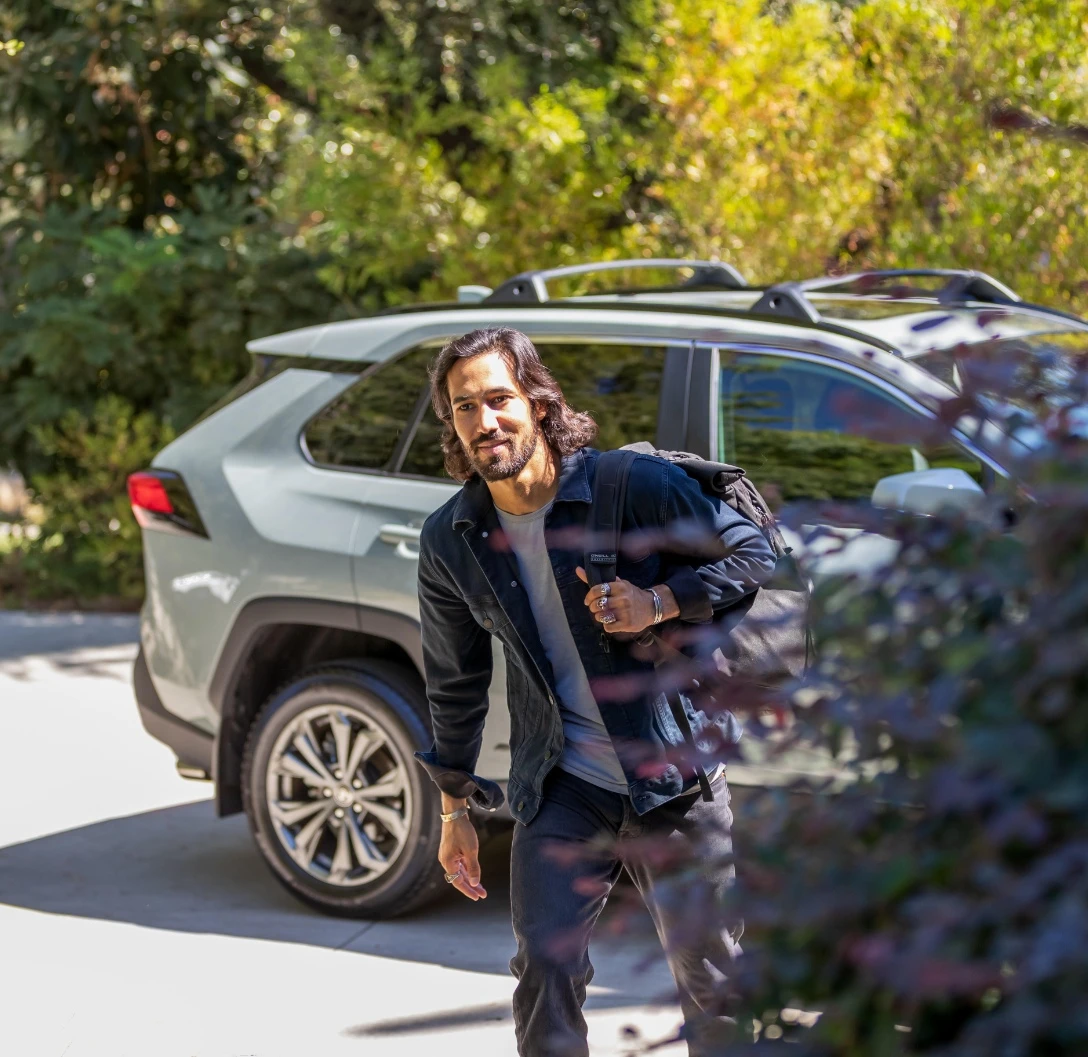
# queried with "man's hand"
point(630, 606)
point(459, 852)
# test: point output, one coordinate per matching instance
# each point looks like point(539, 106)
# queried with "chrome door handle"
point(404, 537)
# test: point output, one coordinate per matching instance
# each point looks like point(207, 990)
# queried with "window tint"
point(617, 384)
point(815, 432)
point(362, 426)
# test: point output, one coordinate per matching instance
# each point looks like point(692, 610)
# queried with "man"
point(588, 748)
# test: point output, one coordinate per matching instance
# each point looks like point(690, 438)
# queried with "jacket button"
point(521, 805)
point(488, 622)
point(513, 583)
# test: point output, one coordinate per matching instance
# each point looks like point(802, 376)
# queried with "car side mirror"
point(929, 491)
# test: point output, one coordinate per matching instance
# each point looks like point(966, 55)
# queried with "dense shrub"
point(121, 340)
point(932, 897)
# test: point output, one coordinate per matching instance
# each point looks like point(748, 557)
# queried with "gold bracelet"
point(454, 815)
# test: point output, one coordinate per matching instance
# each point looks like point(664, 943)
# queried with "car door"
point(818, 433)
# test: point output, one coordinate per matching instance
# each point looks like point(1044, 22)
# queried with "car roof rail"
point(959, 284)
point(531, 288)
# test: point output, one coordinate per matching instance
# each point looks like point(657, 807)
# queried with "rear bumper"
point(192, 747)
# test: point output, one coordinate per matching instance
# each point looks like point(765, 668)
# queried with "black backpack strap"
point(603, 526)
point(610, 479)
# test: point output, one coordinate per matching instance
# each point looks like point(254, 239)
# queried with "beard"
point(501, 467)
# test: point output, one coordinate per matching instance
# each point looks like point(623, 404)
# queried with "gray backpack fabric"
point(765, 637)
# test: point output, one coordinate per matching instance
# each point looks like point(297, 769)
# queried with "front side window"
point(810, 431)
point(361, 427)
point(618, 384)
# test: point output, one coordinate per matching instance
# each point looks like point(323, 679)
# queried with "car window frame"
point(360, 378)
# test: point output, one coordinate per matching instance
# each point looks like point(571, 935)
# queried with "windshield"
point(1019, 381)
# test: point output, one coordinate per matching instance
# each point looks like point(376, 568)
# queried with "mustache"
point(490, 438)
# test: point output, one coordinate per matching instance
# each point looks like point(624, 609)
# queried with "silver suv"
point(280, 646)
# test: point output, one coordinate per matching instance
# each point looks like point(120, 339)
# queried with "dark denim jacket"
point(470, 590)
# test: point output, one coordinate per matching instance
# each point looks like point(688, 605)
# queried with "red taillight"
point(148, 492)
point(160, 500)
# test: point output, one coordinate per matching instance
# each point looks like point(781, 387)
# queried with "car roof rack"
point(531, 288)
point(790, 300)
point(959, 284)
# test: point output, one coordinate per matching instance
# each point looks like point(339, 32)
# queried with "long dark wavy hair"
point(564, 429)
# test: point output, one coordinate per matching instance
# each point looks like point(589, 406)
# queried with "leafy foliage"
point(933, 897)
point(181, 176)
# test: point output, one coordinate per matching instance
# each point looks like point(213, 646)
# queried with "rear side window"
point(618, 385)
point(424, 457)
point(362, 427)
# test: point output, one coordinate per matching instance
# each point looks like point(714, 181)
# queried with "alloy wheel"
point(338, 795)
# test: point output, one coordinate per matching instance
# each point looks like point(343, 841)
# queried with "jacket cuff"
point(454, 782)
point(691, 595)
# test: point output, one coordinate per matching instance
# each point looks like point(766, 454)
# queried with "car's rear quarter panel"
point(276, 528)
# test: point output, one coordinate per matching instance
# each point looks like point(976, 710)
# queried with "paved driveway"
point(133, 923)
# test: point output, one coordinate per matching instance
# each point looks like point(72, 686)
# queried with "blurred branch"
point(1004, 118)
point(270, 76)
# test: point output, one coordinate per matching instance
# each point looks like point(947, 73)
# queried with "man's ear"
point(540, 411)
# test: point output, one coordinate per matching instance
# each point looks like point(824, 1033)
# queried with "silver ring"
point(606, 590)
point(451, 877)
point(602, 603)
point(610, 618)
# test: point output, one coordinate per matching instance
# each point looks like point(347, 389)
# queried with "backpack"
point(763, 638)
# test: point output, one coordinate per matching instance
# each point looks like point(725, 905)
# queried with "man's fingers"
point(471, 891)
point(581, 574)
point(468, 884)
point(471, 870)
point(612, 590)
point(467, 881)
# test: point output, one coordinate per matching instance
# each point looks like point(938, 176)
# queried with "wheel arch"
point(273, 638)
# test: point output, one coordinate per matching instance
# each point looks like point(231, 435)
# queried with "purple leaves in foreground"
point(919, 873)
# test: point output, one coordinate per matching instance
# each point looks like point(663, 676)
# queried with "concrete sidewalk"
point(136, 924)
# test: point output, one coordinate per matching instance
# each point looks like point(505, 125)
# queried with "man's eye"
point(465, 407)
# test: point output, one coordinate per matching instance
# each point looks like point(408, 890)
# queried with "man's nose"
point(489, 419)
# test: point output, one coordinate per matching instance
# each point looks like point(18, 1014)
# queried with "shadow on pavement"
point(23, 634)
point(182, 869)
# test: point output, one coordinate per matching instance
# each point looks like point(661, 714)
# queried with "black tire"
point(392, 700)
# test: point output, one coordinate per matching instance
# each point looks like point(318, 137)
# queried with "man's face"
point(497, 426)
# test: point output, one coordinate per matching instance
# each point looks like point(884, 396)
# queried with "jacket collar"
point(474, 501)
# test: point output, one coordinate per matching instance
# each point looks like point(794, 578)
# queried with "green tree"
point(138, 253)
point(327, 156)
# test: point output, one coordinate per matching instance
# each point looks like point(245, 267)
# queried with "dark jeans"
point(559, 884)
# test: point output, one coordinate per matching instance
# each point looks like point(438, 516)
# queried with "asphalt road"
point(133, 923)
